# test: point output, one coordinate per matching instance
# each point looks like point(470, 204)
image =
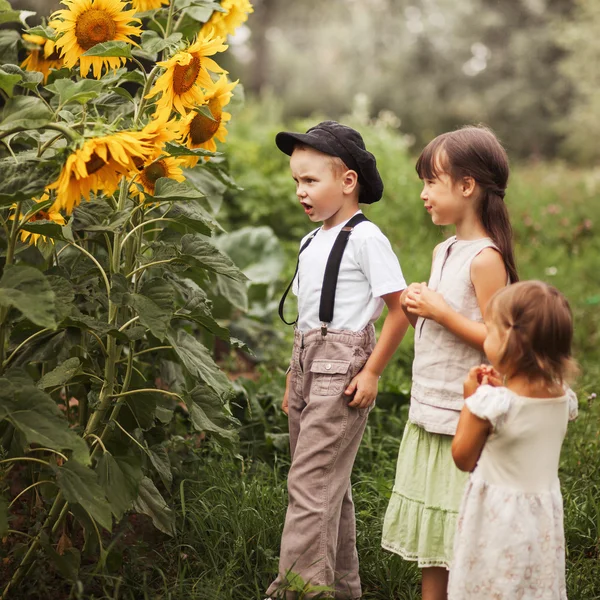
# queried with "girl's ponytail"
point(494, 217)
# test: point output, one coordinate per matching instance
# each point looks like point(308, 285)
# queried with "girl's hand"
point(413, 288)
point(473, 381)
point(426, 303)
point(489, 376)
point(364, 387)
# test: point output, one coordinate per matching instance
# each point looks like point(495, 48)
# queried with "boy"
point(333, 376)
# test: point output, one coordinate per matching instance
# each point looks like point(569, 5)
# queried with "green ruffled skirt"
point(421, 516)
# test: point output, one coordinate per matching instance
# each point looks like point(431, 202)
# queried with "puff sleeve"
point(573, 404)
point(490, 403)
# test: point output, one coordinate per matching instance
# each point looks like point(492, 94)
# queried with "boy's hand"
point(364, 388)
point(284, 403)
point(425, 303)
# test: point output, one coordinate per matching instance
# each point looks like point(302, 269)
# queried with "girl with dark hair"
point(464, 174)
point(510, 541)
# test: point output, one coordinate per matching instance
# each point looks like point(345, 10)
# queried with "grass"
point(231, 510)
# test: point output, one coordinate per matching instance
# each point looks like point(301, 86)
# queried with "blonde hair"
point(539, 325)
point(338, 166)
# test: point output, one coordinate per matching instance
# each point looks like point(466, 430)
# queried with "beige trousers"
point(319, 535)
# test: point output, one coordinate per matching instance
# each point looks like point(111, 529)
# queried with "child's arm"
point(392, 332)
point(488, 275)
point(472, 431)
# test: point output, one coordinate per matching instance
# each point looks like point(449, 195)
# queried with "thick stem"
point(110, 370)
point(10, 256)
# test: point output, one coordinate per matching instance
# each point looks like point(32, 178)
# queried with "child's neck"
point(533, 388)
point(469, 227)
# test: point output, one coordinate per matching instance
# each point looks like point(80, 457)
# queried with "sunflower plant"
point(109, 254)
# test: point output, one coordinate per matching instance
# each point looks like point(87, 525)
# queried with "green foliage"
point(107, 331)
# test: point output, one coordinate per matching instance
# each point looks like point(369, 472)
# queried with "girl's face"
point(494, 341)
point(444, 200)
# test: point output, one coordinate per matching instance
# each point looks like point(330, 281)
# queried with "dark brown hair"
point(476, 152)
point(539, 326)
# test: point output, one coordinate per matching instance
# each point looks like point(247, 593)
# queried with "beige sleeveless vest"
point(442, 360)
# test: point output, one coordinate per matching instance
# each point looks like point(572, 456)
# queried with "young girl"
point(509, 541)
point(465, 173)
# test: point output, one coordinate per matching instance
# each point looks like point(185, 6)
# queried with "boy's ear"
point(350, 180)
point(468, 185)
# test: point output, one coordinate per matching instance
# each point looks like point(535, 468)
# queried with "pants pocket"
point(329, 377)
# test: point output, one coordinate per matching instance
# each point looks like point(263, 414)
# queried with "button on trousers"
point(319, 536)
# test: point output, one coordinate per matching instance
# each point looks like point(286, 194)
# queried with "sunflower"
point(43, 58)
point(225, 23)
point(85, 23)
point(42, 215)
point(98, 166)
point(199, 130)
point(185, 73)
point(144, 5)
point(160, 131)
point(165, 167)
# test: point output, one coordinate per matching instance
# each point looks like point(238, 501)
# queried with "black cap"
point(331, 137)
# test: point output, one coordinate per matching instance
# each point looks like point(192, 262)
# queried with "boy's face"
point(325, 193)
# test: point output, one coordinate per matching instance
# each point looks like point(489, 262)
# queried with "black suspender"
point(330, 278)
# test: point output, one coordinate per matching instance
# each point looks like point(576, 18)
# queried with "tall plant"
point(110, 183)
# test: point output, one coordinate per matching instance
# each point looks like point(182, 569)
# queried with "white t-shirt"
point(369, 270)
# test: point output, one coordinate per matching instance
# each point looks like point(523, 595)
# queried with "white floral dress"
point(509, 542)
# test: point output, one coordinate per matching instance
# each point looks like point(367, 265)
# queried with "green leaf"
point(42, 31)
point(9, 42)
point(112, 48)
point(208, 413)
point(152, 43)
point(79, 485)
point(179, 150)
point(192, 215)
point(255, 250)
point(15, 16)
point(159, 457)
point(115, 222)
point(81, 321)
point(143, 408)
point(64, 295)
point(151, 315)
point(151, 503)
point(37, 417)
point(119, 477)
point(67, 564)
point(169, 189)
point(8, 82)
point(26, 289)
point(202, 315)
point(81, 91)
point(198, 252)
point(27, 112)
point(47, 228)
point(25, 180)
point(197, 360)
point(29, 79)
point(61, 374)
point(235, 292)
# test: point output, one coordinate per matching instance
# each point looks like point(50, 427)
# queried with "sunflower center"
point(93, 27)
point(184, 76)
point(42, 215)
point(202, 128)
point(94, 164)
point(153, 172)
